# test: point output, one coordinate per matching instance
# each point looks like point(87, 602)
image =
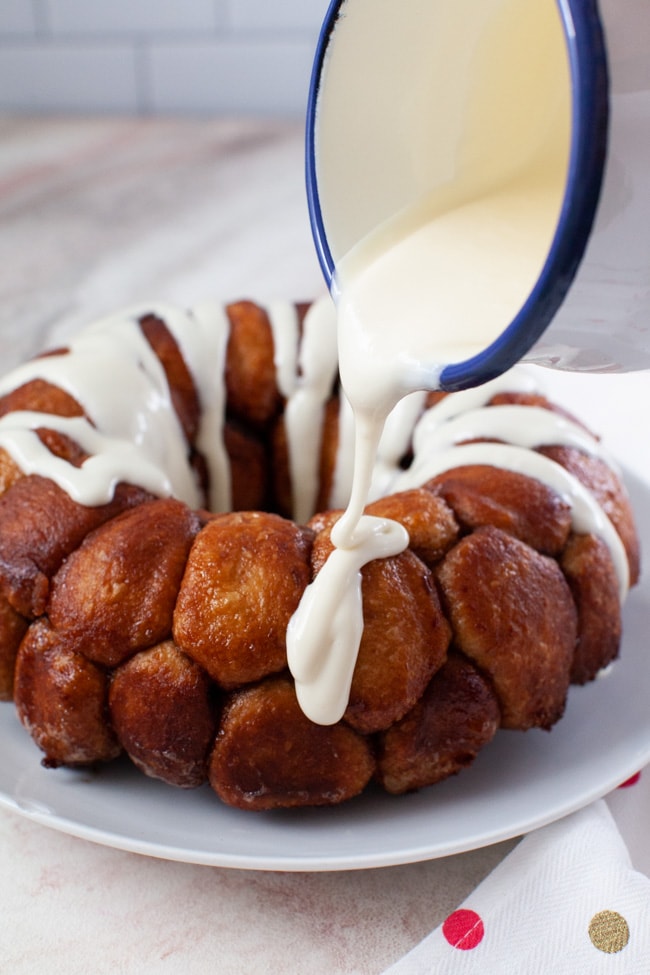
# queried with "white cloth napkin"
point(566, 900)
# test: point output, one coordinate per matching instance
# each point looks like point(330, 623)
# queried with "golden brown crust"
point(588, 568)
point(39, 527)
point(41, 396)
point(116, 593)
point(405, 636)
point(268, 755)
point(249, 478)
point(183, 391)
point(456, 717)
point(492, 560)
point(513, 615)
point(10, 472)
point(163, 711)
point(245, 576)
point(525, 508)
point(61, 699)
point(251, 386)
point(428, 519)
point(608, 489)
point(12, 629)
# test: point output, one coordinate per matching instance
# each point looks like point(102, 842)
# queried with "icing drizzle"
point(132, 434)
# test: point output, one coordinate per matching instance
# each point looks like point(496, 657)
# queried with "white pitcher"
point(441, 99)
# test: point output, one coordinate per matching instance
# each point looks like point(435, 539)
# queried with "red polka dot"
point(463, 930)
point(631, 781)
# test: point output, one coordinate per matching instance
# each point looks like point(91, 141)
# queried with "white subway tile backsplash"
point(286, 17)
point(184, 56)
point(40, 77)
point(231, 77)
point(133, 16)
point(16, 17)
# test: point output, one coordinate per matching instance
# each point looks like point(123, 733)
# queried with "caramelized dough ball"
point(62, 446)
point(427, 518)
point(405, 636)
point(588, 568)
point(116, 593)
point(162, 710)
point(40, 396)
point(39, 527)
point(512, 613)
point(57, 443)
point(456, 717)
point(268, 755)
point(404, 642)
point(251, 386)
point(62, 700)
point(610, 493)
point(245, 576)
point(12, 629)
point(10, 472)
point(248, 468)
point(523, 507)
point(183, 392)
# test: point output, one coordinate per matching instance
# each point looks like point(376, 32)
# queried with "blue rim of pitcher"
point(588, 68)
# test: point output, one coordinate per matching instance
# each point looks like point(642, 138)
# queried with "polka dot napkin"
point(566, 900)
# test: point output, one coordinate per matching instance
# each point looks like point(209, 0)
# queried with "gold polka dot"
point(609, 932)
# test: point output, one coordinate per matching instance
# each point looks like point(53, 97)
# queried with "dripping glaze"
point(133, 434)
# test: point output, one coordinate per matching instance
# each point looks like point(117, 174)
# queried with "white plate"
point(519, 782)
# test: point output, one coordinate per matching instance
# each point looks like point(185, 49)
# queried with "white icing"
point(344, 470)
point(303, 416)
point(114, 375)
point(202, 337)
point(283, 319)
point(132, 435)
point(323, 639)
point(449, 227)
point(113, 460)
point(306, 380)
point(587, 516)
point(317, 632)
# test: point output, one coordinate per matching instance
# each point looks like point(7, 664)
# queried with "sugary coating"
point(428, 519)
point(523, 507)
point(183, 391)
point(249, 478)
point(609, 491)
point(588, 568)
point(163, 709)
point(10, 472)
point(116, 593)
point(513, 615)
point(41, 396)
point(251, 385)
point(62, 700)
point(245, 576)
point(455, 718)
point(12, 629)
point(405, 635)
point(268, 754)
point(162, 631)
point(39, 527)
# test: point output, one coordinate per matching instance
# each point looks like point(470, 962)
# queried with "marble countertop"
point(97, 214)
